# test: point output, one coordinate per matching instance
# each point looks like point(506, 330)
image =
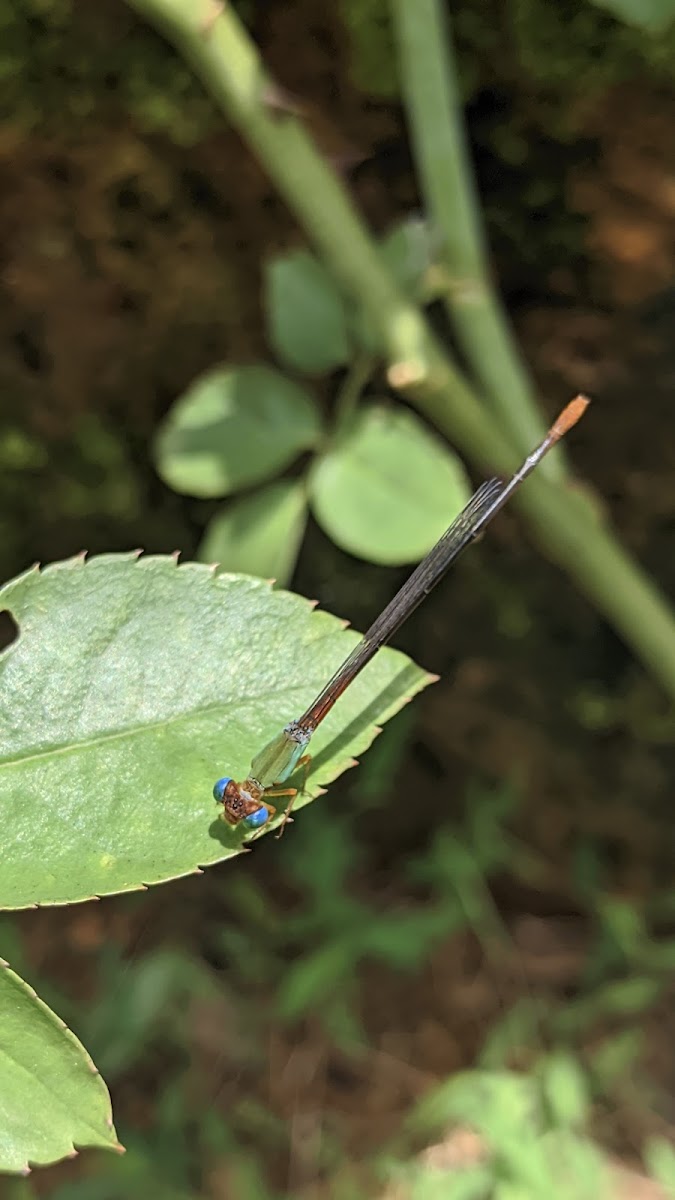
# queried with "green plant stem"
point(564, 523)
point(358, 374)
point(436, 126)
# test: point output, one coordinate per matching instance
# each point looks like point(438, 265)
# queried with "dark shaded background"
point(134, 226)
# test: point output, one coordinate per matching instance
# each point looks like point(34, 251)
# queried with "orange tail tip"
point(569, 416)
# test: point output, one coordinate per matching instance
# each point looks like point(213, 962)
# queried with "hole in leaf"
point(9, 630)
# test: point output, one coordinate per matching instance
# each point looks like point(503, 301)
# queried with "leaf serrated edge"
point(75, 1043)
point(10, 583)
point(144, 886)
point(82, 559)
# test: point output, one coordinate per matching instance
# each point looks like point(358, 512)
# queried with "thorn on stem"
point(406, 374)
point(216, 9)
point(279, 100)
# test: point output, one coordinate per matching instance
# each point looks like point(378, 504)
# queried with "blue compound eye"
point(255, 819)
point(219, 788)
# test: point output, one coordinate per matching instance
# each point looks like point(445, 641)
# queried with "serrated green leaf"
point(235, 426)
point(388, 489)
point(133, 685)
point(306, 315)
point(52, 1098)
point(259, 534)
point(653, 15)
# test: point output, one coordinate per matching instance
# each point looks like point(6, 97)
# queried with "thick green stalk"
point(437, 132)
point(563, 523)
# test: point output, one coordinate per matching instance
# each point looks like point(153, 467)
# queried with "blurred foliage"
point(579, 46)
point(532, 70)
point(572, 46)
point(64, 60)
point(372, 46)
point(95, 479)
point(381, 484)
point(261, 977)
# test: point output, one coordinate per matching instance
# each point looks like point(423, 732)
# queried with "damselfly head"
point(239, 804)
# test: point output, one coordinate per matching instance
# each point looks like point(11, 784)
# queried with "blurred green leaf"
point(407, 251)
point(309, 981)
point(478, 1097)
point(616, 1057)
point(51, 1095)
point(374, 62)
point(659, 1157)
point(404, 939)
point(564, 1085)
point(519, 1028)
point(627, 996)
point(653, 15)
point(252, 902)
point(623, 923)
point(259, 534)
point(306, 315)
point(378, 774)
point(132, 685)
point(427, 1182)
point(527, 1157)
point(20, 451)
point(622, 997)
point(470, 1183)
point(235, 426)
point(659, 956)
point(489, 810)
point(138, 1002)
point(576, 1168)
point(320, 862)
point(388, 489)
point(588, 867)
